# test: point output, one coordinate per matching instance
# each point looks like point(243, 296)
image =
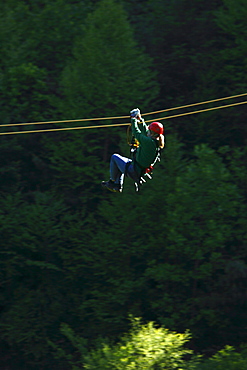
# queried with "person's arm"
point(138, 124)
point(139, 129)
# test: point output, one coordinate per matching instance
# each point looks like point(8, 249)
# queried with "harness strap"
point(143, 171)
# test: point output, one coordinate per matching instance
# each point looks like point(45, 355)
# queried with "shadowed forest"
point(95, 280)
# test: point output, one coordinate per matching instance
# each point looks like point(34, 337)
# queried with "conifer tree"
point(109, 74)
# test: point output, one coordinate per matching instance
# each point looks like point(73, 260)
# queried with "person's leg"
point(117, 171)
point(117, 168)
point(131, 172)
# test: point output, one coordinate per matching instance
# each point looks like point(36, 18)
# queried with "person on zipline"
point(150, 139)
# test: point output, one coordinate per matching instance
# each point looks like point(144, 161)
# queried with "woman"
point(150, 139)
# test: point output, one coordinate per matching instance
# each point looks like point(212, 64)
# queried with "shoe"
point(110, 185)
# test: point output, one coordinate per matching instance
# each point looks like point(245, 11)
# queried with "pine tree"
point(109, 74)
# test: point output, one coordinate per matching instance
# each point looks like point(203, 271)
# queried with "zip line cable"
point(121, 124)
point(194, 104)
point(106, 118)
point(117, 124)
point(67, 120)
point(200, 111)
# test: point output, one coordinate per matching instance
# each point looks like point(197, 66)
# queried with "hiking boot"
point(110, 185)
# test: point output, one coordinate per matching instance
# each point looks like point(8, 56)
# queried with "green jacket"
point(147, 150)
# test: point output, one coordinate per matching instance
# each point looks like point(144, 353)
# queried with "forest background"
point(76, 261)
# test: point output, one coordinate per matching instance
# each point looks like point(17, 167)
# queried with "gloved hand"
point(135, 112)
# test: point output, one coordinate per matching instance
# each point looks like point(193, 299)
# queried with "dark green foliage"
point(36, 39)
point(108, 73)
point(26, 93)
point(37, 271)
point(227, 358)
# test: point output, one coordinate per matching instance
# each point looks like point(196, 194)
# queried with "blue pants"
point(117, 169)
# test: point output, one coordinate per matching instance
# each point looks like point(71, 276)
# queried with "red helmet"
point(156, 127)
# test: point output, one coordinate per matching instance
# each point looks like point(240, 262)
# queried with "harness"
point(145, 172)
point(148, 171)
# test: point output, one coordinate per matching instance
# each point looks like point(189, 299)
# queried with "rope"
point(200, 111)
point(62, 129)
point(71, 120)
point(194, 104)
point(119, 124)
point(111, 118)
